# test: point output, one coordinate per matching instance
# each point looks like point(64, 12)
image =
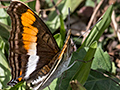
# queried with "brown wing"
point(29, 37)
point(60, 65)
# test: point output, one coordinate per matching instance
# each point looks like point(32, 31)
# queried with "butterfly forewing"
point(32, 46)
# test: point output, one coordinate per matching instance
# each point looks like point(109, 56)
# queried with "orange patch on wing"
point(30, 11)
point(43, 71)
point(28, 17)
point(20, 77)
point(27, 37)
point(27, 47)
point(33, 28)
point(28, 30)
point(29, 41)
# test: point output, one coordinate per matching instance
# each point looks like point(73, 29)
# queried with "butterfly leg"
point(85, 61)
point(71, 65)
point(61, 80)
point(63, 75)
point(49, 88)
point(80, 61)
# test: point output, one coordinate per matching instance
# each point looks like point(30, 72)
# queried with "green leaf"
point(60, 38)
point(18, 86)
point(4, 71)
point(62, 28)
point(63, 84)
point(96, 81)
point(2, 45)
point(63, 7)
point(90, 3)
point(99, 28)
point(23, 0)
point(84, 69)
point(3, 16)
point(101, 61)
point(4, 35)
point(113, 68)
point(52, 85)
point(4, 31)
point(32, 5)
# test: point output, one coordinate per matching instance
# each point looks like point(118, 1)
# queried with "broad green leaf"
point(101, 61)
point(97, 81)
point(84, 69)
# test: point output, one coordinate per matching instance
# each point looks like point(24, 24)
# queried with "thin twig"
point(29, 1)
point(91, 19)
point(116, 29)
point(88, 30)
point(52, 8)
point(94, 13)
point(3, 6)
point(5, 0)
point(69, 19)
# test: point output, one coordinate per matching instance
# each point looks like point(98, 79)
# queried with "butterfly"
point(34, 55)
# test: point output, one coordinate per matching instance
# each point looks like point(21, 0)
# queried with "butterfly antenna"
point(69, 18)
point(95, 23)
point(88, 29)
point(58, 12)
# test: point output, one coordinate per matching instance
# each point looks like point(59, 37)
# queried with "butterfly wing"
point(60, 65)
point(32, 45)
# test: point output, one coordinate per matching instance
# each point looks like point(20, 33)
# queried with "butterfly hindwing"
point(61, 64)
